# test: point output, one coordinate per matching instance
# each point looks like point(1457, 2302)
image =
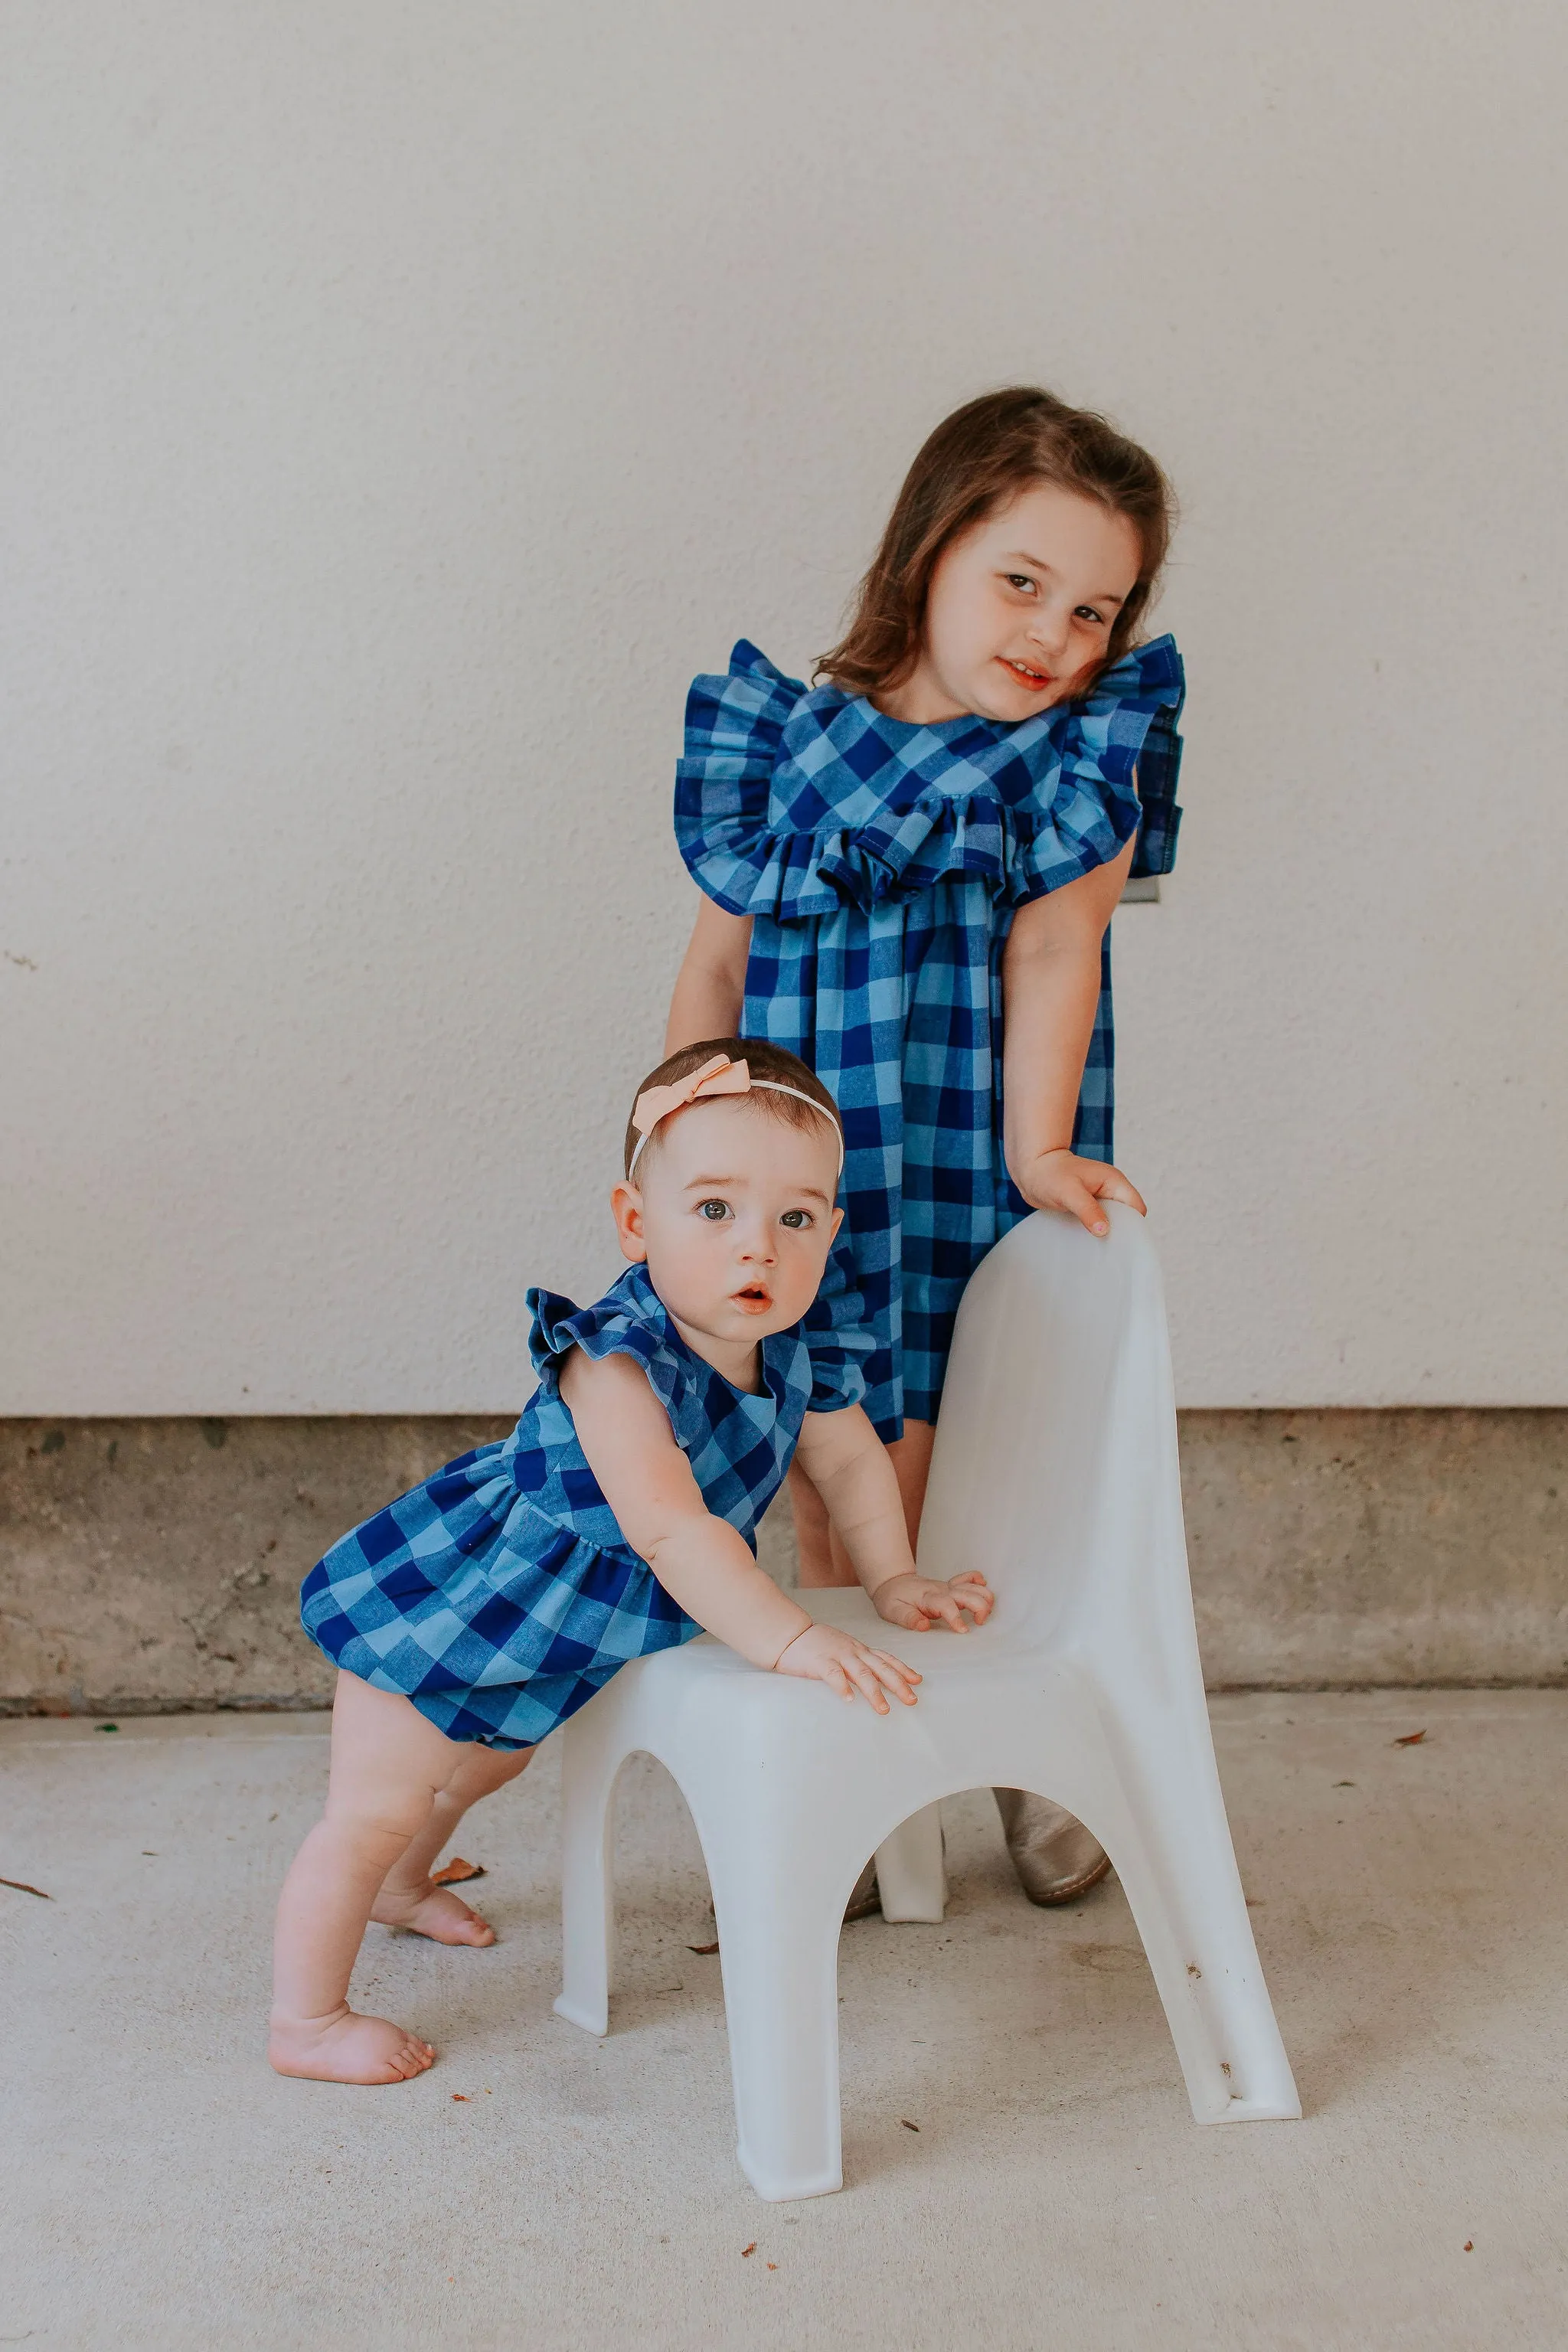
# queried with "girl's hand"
point(919, 1603)
point(1060, 1180)
point(823, 1654)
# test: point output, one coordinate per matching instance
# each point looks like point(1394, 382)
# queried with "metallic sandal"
point(1054, 1857)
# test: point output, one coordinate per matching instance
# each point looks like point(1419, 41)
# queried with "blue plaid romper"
point(881, 863)
point(501, 1594)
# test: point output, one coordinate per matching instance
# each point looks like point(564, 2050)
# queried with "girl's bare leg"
point(389, 1764)
point(823, 1559)
point(406, 1898)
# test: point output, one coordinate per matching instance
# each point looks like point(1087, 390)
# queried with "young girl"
point(908, 873)
point(472, 1616)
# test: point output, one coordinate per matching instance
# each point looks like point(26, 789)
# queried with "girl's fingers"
point(1116, 1188)
point(1081, 1202)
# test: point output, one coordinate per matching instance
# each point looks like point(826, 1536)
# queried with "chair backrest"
point(1054, 1467)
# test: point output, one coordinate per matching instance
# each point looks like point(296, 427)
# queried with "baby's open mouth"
point(754, 1299)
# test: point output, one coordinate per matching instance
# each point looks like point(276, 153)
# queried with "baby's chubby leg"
point(406, 1898)
point(388, 1765)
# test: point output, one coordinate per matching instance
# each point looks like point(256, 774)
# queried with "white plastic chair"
point(1054, 1472)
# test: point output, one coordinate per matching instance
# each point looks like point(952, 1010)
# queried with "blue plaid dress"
point(501, 1594)
point(881, 863)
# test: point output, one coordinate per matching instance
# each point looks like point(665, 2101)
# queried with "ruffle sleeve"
point(734, 729)
point(613, 1326)
point(1127, 726)
point(838, 1337)
point(792, 802)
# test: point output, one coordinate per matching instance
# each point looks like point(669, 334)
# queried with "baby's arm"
point(711, 986)
point(702, 1562)
point(848, 1466)
point(1050, 986)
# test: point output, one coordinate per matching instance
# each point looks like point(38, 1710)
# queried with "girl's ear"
point(626, 1207)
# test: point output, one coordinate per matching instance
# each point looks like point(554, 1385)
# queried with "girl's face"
point(735, 1216)
point(1020, 608)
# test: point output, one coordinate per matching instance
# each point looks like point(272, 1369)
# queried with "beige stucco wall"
point(401, 402)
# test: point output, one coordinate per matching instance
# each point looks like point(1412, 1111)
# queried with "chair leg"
point(912, 1876)
point(588, 1773)
point(779, 1912)
point(1178, 1872)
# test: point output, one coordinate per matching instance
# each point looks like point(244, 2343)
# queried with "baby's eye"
point(714, 1211)
point(797, 1219)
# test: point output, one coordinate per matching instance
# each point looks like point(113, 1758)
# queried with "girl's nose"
point(1048, 629)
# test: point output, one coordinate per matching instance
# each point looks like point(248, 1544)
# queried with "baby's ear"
point(626, 1207)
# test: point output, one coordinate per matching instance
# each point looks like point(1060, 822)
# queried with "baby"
point(473, 1615)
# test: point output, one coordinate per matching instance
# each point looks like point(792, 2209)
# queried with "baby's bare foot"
point(433, 1911)
point(347, 2048)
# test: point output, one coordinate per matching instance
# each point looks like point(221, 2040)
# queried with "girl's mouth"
point(755, 1299)
point(1035, 681)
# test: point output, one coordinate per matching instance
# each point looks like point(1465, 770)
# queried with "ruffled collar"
point(793, 800)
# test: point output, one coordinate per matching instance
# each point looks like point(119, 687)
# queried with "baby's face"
point(734, 1215)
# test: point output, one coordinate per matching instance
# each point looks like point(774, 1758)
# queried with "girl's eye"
point(1020, 580)
point(1087, 613)
point(714, 1211)
point(797, 1219)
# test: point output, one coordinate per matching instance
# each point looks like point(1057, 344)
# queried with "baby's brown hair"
point(986, 451)
point(763, 1061)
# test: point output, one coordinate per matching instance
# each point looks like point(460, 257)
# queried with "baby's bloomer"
point(501, 1595)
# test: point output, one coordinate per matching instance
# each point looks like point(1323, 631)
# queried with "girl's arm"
point(710, 985)
point(702, 1562)
point(1050, 986)
point(848, 1466)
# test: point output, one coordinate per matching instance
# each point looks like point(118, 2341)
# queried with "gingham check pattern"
point(501, 1595)
point(881, 864)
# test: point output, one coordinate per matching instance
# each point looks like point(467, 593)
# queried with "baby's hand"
point(823, 1654)
point(919, 1603)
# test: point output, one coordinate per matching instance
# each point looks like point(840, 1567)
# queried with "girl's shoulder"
point(792, 801)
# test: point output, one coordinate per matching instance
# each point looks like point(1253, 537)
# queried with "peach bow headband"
point(718, 1076)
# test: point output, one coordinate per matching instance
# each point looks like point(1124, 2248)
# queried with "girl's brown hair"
point(986, 452)
point(764, 1061)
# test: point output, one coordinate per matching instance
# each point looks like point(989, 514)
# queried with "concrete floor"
point(541, 2190)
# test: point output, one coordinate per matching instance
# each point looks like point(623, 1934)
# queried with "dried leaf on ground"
point(455, 1870)
point(461, 2096)
point(1411, 1739)
point(906, 2125)
point(748, 2249)
point(22, 1887)
point(703, 1951)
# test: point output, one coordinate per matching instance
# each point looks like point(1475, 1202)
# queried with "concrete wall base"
point(153, 1565)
